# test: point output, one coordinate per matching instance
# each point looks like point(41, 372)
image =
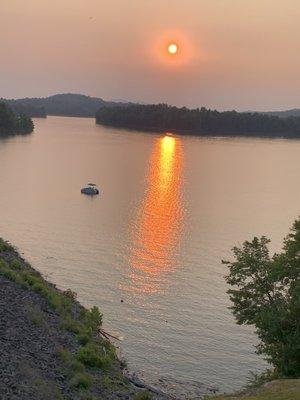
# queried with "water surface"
point(169, 210)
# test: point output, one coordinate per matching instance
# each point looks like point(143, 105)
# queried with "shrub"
point(15, 264)
point(84, 338)
point(90, 356)
point(71, 325)
point(92, 318)
point(76, 366)
point(39, 287)
point(8, 273)
point(143, 396)
point(81, 381)
point(64, 355)
point(35, 315)
point(4, 246)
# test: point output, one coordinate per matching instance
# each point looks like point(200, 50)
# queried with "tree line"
point(12, 123)
point(162, 117)
point(27, 109)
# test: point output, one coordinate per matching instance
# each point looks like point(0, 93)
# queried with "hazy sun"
point(172, 48)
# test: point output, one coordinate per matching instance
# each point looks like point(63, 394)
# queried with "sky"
point(232, 54)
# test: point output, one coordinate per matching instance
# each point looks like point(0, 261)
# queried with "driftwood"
point(133, 378)
point(136, 381)
point(107, 335)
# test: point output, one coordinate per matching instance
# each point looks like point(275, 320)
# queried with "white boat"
point(91, 189)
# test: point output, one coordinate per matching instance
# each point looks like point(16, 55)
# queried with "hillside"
point(295, 112)
point(51, 347)
point(66, 104)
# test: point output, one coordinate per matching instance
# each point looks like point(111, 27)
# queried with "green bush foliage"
point(4, 246)
point(143, 396)
point(266, 293)
point(94, 356)
point(81, 381)
point(11, 123)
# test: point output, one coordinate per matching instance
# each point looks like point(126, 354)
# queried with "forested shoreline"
point(162, 117)
point(31, 110)
point(12, 123)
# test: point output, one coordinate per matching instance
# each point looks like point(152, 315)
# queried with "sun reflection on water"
point(159, 221)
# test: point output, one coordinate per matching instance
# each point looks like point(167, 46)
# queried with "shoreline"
point(186, 132)
point(42, 316)
point(51, 346)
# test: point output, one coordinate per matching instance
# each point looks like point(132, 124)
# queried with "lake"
point(148, 249)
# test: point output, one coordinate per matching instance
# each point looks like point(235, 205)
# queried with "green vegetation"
point(93, 353)
point(13, 124)
point(143, 396)
point(81, 381)
point(159, 117)
point(47, 390)
point(27, 109)
point(266, 294)
point(284, 389)
point(35, 315)
point(162, 117)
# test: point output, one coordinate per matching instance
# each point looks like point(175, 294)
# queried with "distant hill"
point(66, 104)
point(295, 112)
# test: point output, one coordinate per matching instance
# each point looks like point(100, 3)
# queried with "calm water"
point(170, 209)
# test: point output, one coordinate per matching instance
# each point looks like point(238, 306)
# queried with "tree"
point(12, 124)
point(24, 124)
point(266, 293)
point(7, 119)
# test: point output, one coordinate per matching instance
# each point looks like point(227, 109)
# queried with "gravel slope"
point(32, 340)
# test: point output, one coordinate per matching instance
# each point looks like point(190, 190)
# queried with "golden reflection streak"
point(159, 220)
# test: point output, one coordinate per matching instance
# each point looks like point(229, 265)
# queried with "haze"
point(233, 54)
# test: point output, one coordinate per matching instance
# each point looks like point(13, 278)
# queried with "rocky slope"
point(50, 346)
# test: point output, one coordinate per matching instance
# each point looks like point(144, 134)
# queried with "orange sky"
point(242, 54)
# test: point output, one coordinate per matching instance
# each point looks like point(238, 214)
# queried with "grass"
point(47, 390)
point(282, 389)
point(36, 316)
point(93, 352)
point(4, 245)
point(81, 381)
point(143, 396)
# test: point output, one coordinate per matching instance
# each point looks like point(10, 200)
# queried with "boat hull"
point(90, 191)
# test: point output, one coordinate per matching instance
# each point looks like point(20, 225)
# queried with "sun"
point(172, 48)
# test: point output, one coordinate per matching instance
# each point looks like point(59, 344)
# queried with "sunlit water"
point(170, 208)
